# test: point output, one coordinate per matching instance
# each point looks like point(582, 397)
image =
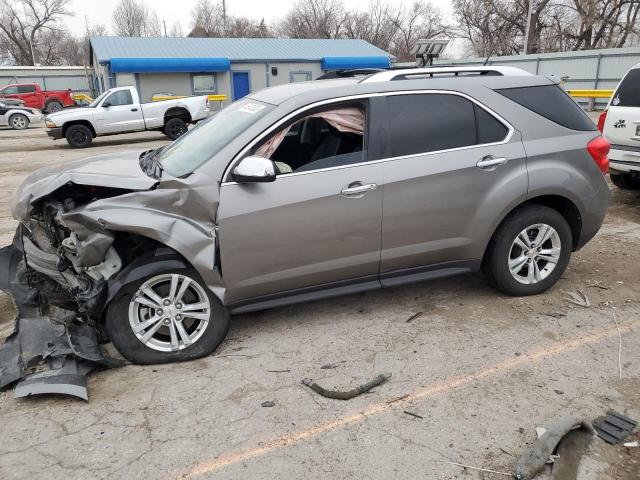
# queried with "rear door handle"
point(491, 163)
point(357, 189)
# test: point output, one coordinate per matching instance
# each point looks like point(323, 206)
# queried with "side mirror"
point(106, 104)
point(254, 169)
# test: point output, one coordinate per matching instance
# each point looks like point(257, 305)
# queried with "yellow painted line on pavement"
point(557, 348)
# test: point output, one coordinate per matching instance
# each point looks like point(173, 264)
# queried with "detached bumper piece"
point(48, 356)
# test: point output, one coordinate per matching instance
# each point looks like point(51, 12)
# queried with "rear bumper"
point(593, 210)
point(624, 158)
point(55, 133)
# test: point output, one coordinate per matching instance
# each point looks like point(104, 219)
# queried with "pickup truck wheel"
point(18, 121)
point(166, 317)
point(625, 181)
point(53, 106)
point(174, 128)
point(79, 136)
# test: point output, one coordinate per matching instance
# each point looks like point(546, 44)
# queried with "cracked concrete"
point(482, 369)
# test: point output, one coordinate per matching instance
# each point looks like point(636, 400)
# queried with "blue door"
point(240, 84)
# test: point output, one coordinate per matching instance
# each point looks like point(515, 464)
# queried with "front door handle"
point(357, 189)
point(491, 163)
point(134, 109)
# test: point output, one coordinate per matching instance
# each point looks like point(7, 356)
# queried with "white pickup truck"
point(119, 110)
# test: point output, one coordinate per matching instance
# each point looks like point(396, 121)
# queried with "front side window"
point(210, 136)
point(204, 83)
point(327, 138)
point(119, 98)
point(430, 122)
point(628, 93)
point(9, 91)
point(26, 89)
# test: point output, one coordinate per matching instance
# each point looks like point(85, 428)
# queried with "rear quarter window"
point(628, 93)
point(551, 102)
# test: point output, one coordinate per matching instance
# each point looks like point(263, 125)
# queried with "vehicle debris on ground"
point(349, 394)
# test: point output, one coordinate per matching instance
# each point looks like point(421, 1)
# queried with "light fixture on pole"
point(427, 49)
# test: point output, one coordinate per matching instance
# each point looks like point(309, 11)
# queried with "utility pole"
point(528, 29)
point(165, 27)
point(224, 18)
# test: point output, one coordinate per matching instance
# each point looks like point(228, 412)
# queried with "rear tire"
point(79, 136)
point(53, 107)
point(175, 128)
point(625, 181)
point(169, 326)
point(515, 264)
point(18, 121)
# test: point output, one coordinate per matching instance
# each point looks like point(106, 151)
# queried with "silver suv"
point(312, 190)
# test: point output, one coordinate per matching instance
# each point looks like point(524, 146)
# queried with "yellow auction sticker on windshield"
point(251, 108)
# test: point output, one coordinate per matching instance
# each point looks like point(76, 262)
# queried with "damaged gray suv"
point(307, 191)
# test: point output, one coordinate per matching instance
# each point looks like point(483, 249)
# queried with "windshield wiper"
point(149, 164)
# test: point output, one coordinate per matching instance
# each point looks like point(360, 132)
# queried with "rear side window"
point(26, 89)
point(628, 93)
point(552, 103)
point(430, 122)
point(489, 129)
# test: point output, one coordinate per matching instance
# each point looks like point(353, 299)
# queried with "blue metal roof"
point(235, 49)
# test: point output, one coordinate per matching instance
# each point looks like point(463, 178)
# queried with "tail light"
point(598, 148)
point(601, 119)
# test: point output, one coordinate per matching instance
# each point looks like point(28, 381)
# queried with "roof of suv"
point(396, 80)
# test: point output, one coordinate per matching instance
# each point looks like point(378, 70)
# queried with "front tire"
point(625, 181)
point(166, 317)
point(529, 251)
point(79, 136)
point(18, 121)
point(175, 128)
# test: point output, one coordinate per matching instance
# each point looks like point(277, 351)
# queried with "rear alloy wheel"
point(174, 128)
point(53, 107)
point(79, 136)
point(625, 181)
point(166, 317)
point(529, 251)
point(18, 121)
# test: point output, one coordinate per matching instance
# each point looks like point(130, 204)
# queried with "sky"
point(99, 11)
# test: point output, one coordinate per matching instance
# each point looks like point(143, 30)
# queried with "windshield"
point(99, 99)
point(202, 142)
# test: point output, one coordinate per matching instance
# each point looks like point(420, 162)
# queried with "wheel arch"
point(177, 112)
point(86, 123)
point(563, 205)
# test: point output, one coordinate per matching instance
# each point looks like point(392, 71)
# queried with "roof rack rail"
point(416, 73)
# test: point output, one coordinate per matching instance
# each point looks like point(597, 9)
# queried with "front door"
point(240, 84)
point(316, 225)
point(117, 113)
point(454, 171)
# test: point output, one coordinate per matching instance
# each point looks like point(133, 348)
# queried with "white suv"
point(620, 124)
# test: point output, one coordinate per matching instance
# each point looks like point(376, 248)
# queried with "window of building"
point(300, 77)
point(430, 122)
point(121, 97)
point(204, 83)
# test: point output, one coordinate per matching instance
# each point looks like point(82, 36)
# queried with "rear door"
point(454, 169)
point(622, 126)
point(117, 114)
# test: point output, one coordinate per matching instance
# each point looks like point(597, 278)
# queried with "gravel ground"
point(481, 369)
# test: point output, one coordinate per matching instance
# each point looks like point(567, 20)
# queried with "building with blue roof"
point(229, 66)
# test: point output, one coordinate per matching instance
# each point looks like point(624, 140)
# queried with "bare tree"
point(377, 25)
point(314, 19)
point(133, 18)
point(29, 29)
point(207, 19)
point(419, 20)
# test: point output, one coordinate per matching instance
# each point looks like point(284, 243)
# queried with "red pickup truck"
point(33, 96)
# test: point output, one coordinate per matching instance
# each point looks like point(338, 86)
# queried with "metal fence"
point(49, 78)
point(585, 70)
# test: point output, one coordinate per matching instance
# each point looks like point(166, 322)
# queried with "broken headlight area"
point(57, 274)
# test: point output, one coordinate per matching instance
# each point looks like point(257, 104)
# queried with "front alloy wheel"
point(168, 316)
point(534, 254)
